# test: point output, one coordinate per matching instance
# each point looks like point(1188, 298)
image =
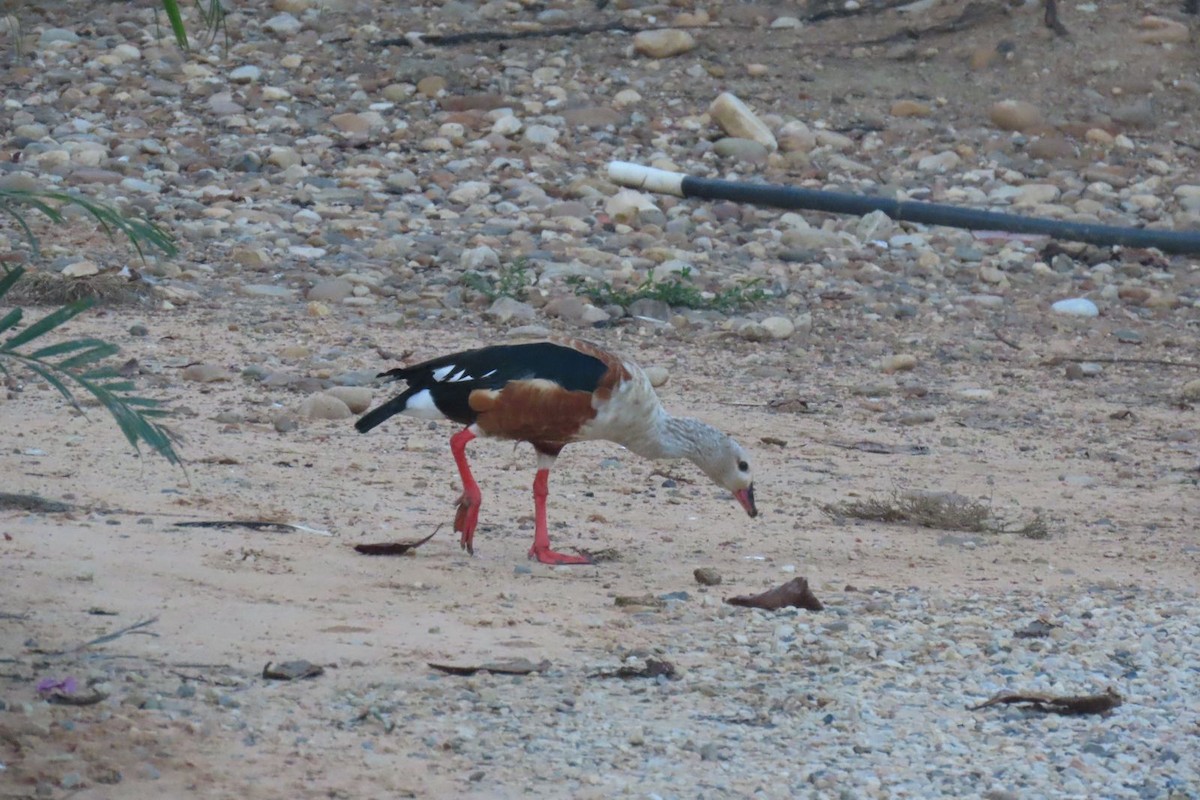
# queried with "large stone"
point(324, 406)
point(479, 258)
point(658, 376)
point(736, 119)
point(651, 309)
point(663, 43)
point(779, 327)
point(80, 269)
point(796, 137)
point(746, 150)
point(1015, 115)
point(505, 309)
point(282, 25)
point(206, 373)
point(356, 398)
point(469, 192)
point(627, 204)
point(332, 290)
point(1160, 30)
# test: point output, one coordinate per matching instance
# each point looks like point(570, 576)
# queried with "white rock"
point(658, 376)
point(736, 119)
point(1036, 193)
point(626, 204)
point(507, 125)
point(626, 97)
point(663, 43)
point(1076, 307)
point(796, 137)
point(80, 269)
point(779, 327)
point(282, 24)
point(939, 162)
point(247, 73)
point(324, 406)
point(591, 315)
point(356, 398)
point(470, 192)
point(478, 258)
point(541, 134)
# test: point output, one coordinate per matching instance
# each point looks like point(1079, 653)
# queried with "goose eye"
point(743, 466)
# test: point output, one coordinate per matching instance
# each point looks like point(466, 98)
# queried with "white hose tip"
point(649, 179)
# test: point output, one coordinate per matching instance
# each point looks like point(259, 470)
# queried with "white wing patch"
point(421, 405)
point(447, 374)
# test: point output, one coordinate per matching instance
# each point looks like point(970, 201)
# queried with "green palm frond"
point(77, 364)
point(211, 12)
point(140, 232)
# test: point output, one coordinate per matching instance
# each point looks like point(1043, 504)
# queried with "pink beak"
point(746, 498)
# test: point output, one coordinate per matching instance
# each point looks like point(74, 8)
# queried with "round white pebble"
point(1076, 307)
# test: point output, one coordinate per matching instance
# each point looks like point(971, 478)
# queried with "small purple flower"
point(61, 685)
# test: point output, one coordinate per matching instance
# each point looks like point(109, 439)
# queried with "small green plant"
point(77, 363)
point(677, 289)
point(510, 281)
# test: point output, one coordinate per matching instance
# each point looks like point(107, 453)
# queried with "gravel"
point(866, 699)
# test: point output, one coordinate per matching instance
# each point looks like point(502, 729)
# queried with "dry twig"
point(1079, 704)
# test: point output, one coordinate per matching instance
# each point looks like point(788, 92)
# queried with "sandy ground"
point(231, 600)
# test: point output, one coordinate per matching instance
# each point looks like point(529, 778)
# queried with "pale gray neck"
point(675, 437)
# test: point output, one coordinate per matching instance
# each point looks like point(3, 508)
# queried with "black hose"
point(937, 214)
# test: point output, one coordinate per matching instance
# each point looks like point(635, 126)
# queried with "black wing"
point(451, 379)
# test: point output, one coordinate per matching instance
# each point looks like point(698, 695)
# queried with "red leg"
point(541, 533)
point(467, 515)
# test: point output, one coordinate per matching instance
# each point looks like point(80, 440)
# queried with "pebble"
point(206, 373)
point(663, 43)
point(1190, 390)
point(80, 269)
point(1076, 307)
point(356, 398)
point(332, 290)
point(540, 134)
point(753, 332)
point(324, 406)
point(707, 576)
point(1126, 336)
point(283, 25)
point(737, 120)
point(910, 108)
point(796, 137)
point(1015, 115)
point(657, 376)
point(506, 309)
point(245, 74)
point(746, 150)
point(901, 362)
point(779, 327)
